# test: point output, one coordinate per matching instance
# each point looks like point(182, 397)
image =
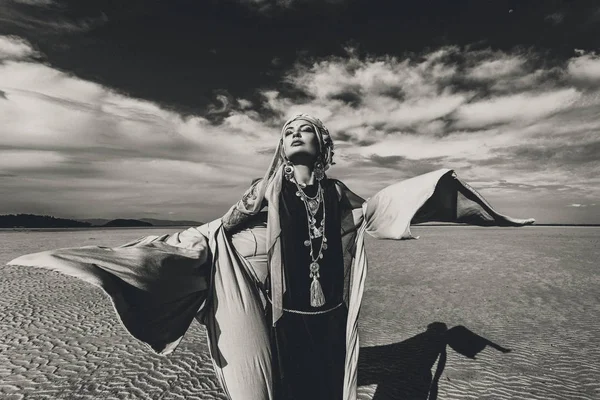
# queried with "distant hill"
point(95, 221)
point(126, 222)
point(39, 221)
point(165, 222)
point(154, 222)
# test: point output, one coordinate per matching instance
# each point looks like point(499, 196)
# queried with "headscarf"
point(269, 188)
point(325, 141)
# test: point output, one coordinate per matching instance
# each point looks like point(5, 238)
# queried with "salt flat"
point(468, 312)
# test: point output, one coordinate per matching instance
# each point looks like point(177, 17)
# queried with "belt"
point(307, 312)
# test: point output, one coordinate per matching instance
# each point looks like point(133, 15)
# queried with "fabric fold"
point(157, 284)
point(436, 196)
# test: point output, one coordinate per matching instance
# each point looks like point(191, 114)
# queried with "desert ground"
point(461, 313)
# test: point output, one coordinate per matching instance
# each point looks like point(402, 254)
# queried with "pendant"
point(314, 268)
point(316, 233)
point(313, 206)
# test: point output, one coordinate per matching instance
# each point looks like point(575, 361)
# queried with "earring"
point(319, 171)
point(288, 170)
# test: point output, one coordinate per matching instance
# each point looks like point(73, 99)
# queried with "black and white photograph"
point(299, 199)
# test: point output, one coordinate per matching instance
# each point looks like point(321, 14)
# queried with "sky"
point(169, 109)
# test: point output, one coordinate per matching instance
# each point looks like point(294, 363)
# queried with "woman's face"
point(300, 141)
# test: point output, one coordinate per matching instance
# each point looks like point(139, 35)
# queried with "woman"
point(308, 338)
point(279, 291)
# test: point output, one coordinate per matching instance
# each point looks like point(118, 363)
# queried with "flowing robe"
point(159, 284)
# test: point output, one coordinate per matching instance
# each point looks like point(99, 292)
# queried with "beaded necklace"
point(312, 205)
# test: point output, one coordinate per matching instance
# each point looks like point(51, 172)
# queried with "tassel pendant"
point(317, 298)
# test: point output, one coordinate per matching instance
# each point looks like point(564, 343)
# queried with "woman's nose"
point(296, 133)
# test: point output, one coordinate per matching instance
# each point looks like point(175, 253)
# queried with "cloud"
point(270, 5)
point(222, 107)
point(493, 116)
point(499, 67)
point(510, 127)
point(35, 2)
point(515, 108)
point(46, 17)
point(579, 205)
point(556, 18)
point(244, 104)
point(61, 134)
point(15, 48)
point(585, 69)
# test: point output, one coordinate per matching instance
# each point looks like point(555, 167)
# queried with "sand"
point(462, 313)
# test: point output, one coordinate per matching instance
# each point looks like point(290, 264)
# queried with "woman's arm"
point(236, 217)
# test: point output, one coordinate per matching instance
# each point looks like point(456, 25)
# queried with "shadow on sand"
point(403, 370)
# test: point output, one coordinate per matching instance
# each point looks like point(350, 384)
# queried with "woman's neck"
point(304, 174)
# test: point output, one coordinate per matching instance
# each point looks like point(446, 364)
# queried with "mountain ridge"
point(48, 221)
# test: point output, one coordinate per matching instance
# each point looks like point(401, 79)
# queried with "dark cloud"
point(408, 166)
point(556, 18)
point(349, 96)
point(223, 107)
point(46, 17)
point(503, 184)
point(179, 53)
point(558, 154)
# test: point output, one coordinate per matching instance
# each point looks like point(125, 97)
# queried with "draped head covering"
point(323, 136)
point(269, 189)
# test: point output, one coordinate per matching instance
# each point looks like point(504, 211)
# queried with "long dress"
point(309, 350)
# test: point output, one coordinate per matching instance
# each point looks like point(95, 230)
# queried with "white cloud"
point(15, 48)
point(497, 68)
point(515, 108)
point(244, 104)
point(585, 68)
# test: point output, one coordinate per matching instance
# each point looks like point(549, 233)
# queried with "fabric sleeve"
point(351, 205)
point(157, 284)
point(236, 218)
point(435, 196)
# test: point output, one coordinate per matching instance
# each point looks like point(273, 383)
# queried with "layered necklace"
point(312, 206)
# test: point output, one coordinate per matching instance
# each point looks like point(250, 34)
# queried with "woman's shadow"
point(403, 370)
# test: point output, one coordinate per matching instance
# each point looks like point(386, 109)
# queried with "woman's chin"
point(301, 156)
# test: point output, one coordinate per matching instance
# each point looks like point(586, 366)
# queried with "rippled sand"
point(462, 313)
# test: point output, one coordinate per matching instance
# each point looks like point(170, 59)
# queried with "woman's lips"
point(297, 143)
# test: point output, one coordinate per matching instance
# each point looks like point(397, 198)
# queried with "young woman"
point(307, 337)
point(278, 280)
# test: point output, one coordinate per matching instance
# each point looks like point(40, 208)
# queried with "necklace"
point(312, 205)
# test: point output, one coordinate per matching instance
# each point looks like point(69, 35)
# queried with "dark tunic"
point(309, 350)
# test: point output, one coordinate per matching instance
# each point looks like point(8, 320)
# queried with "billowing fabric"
point(435, 196)
point(159, 283)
